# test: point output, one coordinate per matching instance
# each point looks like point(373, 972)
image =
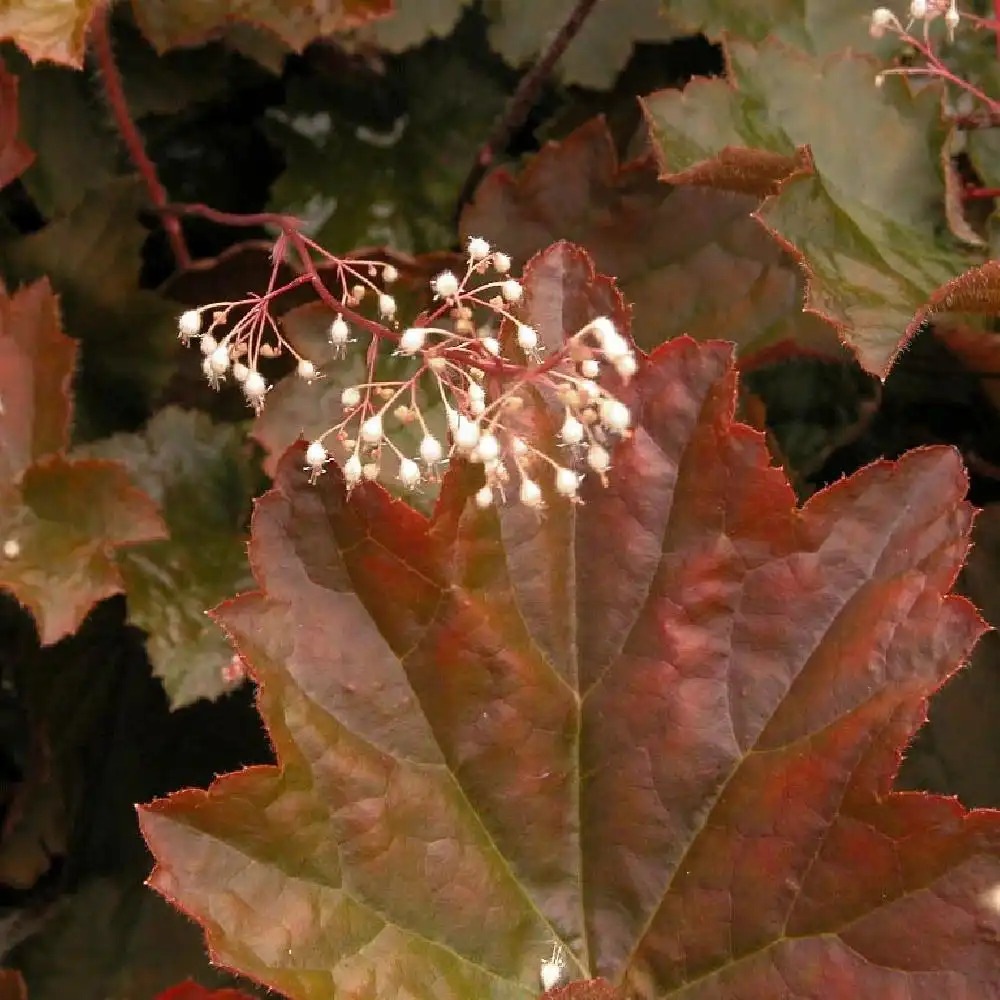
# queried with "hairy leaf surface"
point(659, 728)
point(871, 235)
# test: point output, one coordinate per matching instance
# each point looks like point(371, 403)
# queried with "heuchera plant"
point(569, 693)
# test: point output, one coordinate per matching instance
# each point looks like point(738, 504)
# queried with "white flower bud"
point(445, 285)
point(316, 455)
point(567, 482)
point(478, 248)
point(240, 371)
point(350, 398)
point(572, 430)
point(531, 493)
point(255, 388)
point(511, 290)
point(466, 434)
point(306, 370)
point(615, 415)
point(386, 306)
point(598, 458)
point(339, 332)
point(412, 340)
point(352, 470)
point(527, 338)
point(492, 345)
point(219, 360)
point(590, 368)
point(501, 263)
point(11, 548)
point(488, 448)
point(430, 449)
point(603, 327)
point(371, 429)
point(189, 324)
point(615, 348)
point(918, 9)
point(208, 344)
point(484, 497)
point(389, 274)
point(409, 472)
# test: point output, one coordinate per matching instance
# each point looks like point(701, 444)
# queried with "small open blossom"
point(478, 249)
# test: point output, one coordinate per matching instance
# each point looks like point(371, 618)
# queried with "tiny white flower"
point(371, 429)
point(501, 263)
point(478, 249)
point(306, 370)
point(340, 332)
point(598, 458)
point(531, 493)
point(430, 449)
point(386, 306)
point(484, 497)
point(352, 470)
point(11, 548)
point(466, 434)
point(626, 366)
point(590, 368)
point(572, 430)
point(255, 389)
point(409, 472)
point(240, 371)
point(511, 290)
point(527, 337)
point(615, 415)
point(445, 285)
point(567, 482)
point(189, 324)
point(350, 398)
point(488, 448)
point(411, 341)
point(208, 344)
point(389, 274)
point(219, 359)
point(492, 345)
point(316, 458)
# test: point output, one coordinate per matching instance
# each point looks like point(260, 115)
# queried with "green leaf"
point(690, 259)
point(658, 728)
point(819, 26)
point(170, 23)
point(380, 161)
point(520, 29)
point(202, 478)
point(53, 30)
point(129, 335)
point(873, 241)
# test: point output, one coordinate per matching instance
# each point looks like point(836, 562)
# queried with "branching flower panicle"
point(471, 352)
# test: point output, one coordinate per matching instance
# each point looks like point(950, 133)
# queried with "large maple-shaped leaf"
point(870, 230)
point(690, 259)
point(202, 478)
point(659, 728)
point(60, 519)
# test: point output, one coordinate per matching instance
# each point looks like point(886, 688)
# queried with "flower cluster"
point(926, 11)
point(473, 354)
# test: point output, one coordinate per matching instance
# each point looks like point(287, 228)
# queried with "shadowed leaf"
point(170, 23)
point(15, 155)
point(201, 477)
point(659, 728)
